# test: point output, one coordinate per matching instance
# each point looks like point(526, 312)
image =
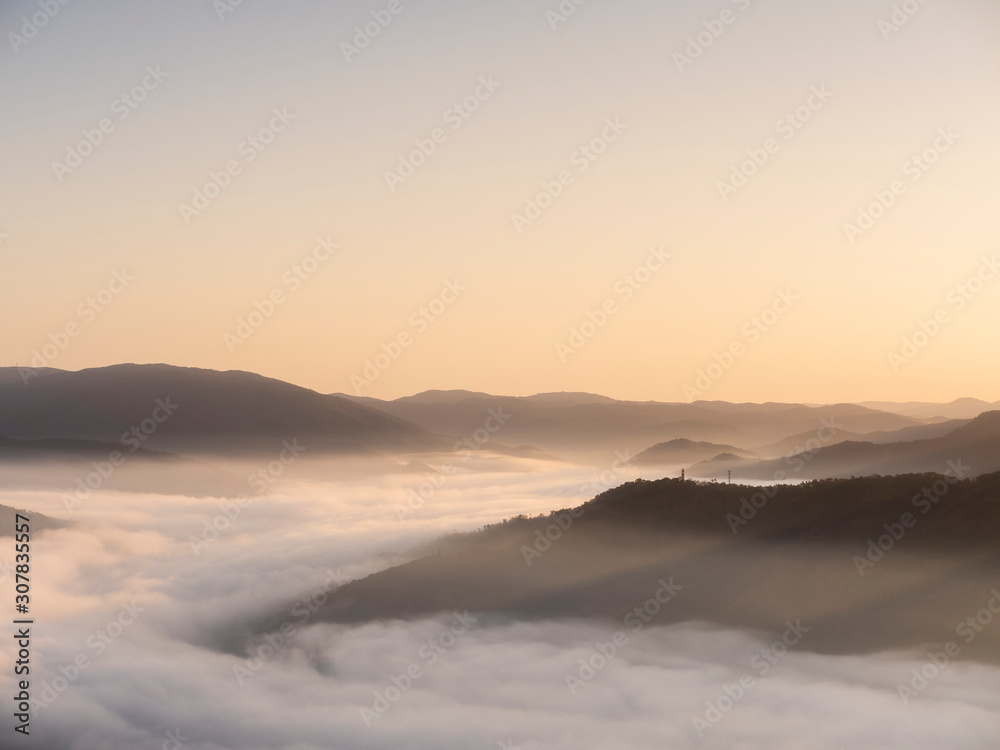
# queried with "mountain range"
point(974, 444)
point(960, 408)
point(590, 427)
point(196, 412)
point(189, 410)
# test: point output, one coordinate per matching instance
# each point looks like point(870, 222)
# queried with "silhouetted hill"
point(589, 426)
point(744, 556)
point(570, 397)
point(442, 397)
point(795, 443)
point(684, 451)
point(960, 408)
point(24, 374)
point(37, 523)
point(976, 443)
point(221, 412)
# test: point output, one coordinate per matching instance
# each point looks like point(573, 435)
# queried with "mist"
point(145, 604)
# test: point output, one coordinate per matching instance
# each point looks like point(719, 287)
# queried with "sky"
point(508, 198)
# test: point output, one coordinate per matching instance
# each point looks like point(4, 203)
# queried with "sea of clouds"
point(162, 617)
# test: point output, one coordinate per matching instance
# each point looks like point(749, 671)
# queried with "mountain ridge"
point(230, 411)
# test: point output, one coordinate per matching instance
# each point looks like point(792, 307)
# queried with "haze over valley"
point(560, 375)
point(257, 535)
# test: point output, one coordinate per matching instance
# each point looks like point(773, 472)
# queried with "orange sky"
point(503, 196)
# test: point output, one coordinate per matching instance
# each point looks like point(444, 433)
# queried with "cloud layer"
point(162, 633)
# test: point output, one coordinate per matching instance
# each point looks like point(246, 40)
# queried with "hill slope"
point(795, 556)
point(795, 443)
point(587, 425)
point(976, 443)
point(960, 408)
point(220, 412)
point(683, 451)
point(37, 524)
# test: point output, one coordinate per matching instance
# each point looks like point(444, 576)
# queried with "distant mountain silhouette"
point(24, 375)
point(570, 397)
point(440, 397)
point(217, 412)
point(37, 523)
point(960, 408)
point(457, 395)
point(796, 443)
point(976, 443)
point(684, 451)
point(584, 425)
point(238, 412)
